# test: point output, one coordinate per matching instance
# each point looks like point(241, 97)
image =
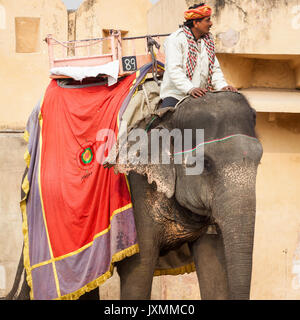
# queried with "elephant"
point(172, 208)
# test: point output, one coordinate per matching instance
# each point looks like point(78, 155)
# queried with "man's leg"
point(169, 102)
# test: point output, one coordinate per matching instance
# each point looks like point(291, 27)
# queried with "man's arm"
point(174, 66)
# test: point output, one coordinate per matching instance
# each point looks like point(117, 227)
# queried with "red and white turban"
point(198, 13)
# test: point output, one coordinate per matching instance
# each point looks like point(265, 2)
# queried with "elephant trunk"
point(235, 215)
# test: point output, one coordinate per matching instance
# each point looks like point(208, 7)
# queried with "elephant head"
point(225, 190)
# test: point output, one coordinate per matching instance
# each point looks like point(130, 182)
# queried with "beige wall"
point(256, 27)
point(92, 19)
point(24, 76)
point(28, 73)
point(12, 149)
point(95, 15)
point(260, 27)
point(278, 209)
point(267, 30)
point(165, 16)
point(254, 71)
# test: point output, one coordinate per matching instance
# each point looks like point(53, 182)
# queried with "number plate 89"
point(129, 63)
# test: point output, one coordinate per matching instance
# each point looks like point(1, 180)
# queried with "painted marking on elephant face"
point(235, 174)
point(215, 141)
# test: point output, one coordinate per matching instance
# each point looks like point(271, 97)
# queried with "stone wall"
point(12, 165)
point(93, 21)
point(24, 74)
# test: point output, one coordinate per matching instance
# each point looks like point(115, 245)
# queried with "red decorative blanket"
point(77, 215)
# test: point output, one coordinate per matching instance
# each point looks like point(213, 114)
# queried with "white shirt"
point(175, 82)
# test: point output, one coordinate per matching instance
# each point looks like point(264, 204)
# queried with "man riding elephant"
point(192, 67)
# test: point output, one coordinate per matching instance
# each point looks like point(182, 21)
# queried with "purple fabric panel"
point(123, 232)
point(33, 128)
point(38, 243)
point(76, 271)
point(46, 288)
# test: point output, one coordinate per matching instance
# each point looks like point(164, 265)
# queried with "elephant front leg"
point(209, 257)
point(136, 275)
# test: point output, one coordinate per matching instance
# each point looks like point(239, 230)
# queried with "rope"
point(150, 43)
point(146, 98)
point(79, 46)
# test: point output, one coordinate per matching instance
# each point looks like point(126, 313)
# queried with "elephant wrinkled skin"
point(224, 195)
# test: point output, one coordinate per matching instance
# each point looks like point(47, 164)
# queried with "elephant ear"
point(164, 175)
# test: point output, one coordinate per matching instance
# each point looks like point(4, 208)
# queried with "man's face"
point(204, 25)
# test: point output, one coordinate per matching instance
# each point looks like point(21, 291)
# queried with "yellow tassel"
point(26, 136)
point(27, 158)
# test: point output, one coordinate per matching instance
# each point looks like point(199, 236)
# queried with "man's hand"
point(229, 88)
point(197, 92)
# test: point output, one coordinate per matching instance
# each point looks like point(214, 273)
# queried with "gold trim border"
point(97, 282)
point(43, 210)
point(43, 263)
point(25, 187)
point(176, 271)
